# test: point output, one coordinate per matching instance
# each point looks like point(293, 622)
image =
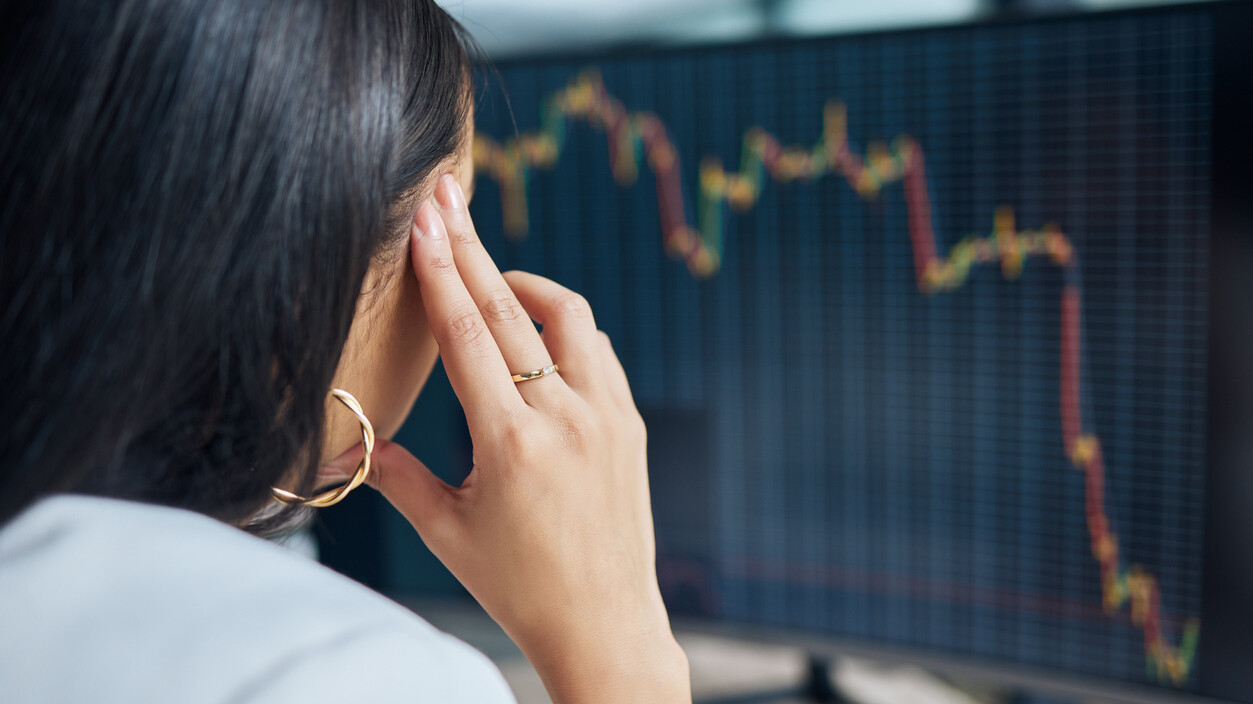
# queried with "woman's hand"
point(552, 531)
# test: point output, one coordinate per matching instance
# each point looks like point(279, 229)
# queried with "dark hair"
point(191, 192)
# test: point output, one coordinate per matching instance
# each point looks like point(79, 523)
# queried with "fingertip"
point(410, 486)
point(428, 251)
point(415, 230)
point(400, 477)
point(526, 284)
point(511, 278)
point(517, 276)
point(448, 194)
point(428, 226)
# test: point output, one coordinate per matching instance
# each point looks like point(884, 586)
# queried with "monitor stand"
point(817, 687)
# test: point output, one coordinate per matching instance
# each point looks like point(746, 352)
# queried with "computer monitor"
point(944, 337)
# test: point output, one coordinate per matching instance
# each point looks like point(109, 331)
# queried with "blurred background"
point(1151, 88)
point(511, 29)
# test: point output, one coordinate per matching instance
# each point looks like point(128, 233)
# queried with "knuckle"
point(440, 262)
point(573, 305)
point(637, 428)
point(522, 444)
point(461, 230)
point(514, 427)
point(501, 307)
point(572, 433)
point(465, 327)
point(576, 426)
point(512, 435)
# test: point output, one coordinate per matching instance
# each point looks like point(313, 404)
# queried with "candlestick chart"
point(638, 145)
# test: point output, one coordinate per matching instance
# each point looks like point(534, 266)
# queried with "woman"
point(233, 240)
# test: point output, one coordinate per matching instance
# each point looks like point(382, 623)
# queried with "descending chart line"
point(636, 136)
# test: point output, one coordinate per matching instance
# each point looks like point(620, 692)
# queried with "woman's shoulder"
point(144, 601)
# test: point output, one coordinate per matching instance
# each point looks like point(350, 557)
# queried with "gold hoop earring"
point(331, 497)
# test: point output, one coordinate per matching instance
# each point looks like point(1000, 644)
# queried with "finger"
point(472, 360)
point(422, 498)
point(569, 328)
point(615, 376)
point(515, 334)
point(340, 469)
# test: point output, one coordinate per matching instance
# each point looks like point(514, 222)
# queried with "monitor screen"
point(923, 327)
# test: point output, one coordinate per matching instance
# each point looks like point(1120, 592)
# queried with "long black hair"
point(191, 192)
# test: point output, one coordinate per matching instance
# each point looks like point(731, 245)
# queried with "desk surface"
point(721, 667)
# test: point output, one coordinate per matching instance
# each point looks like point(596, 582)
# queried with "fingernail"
point(448, 193)
point(427, 223)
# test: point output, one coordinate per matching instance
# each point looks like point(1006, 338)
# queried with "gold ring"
point(535, 373)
